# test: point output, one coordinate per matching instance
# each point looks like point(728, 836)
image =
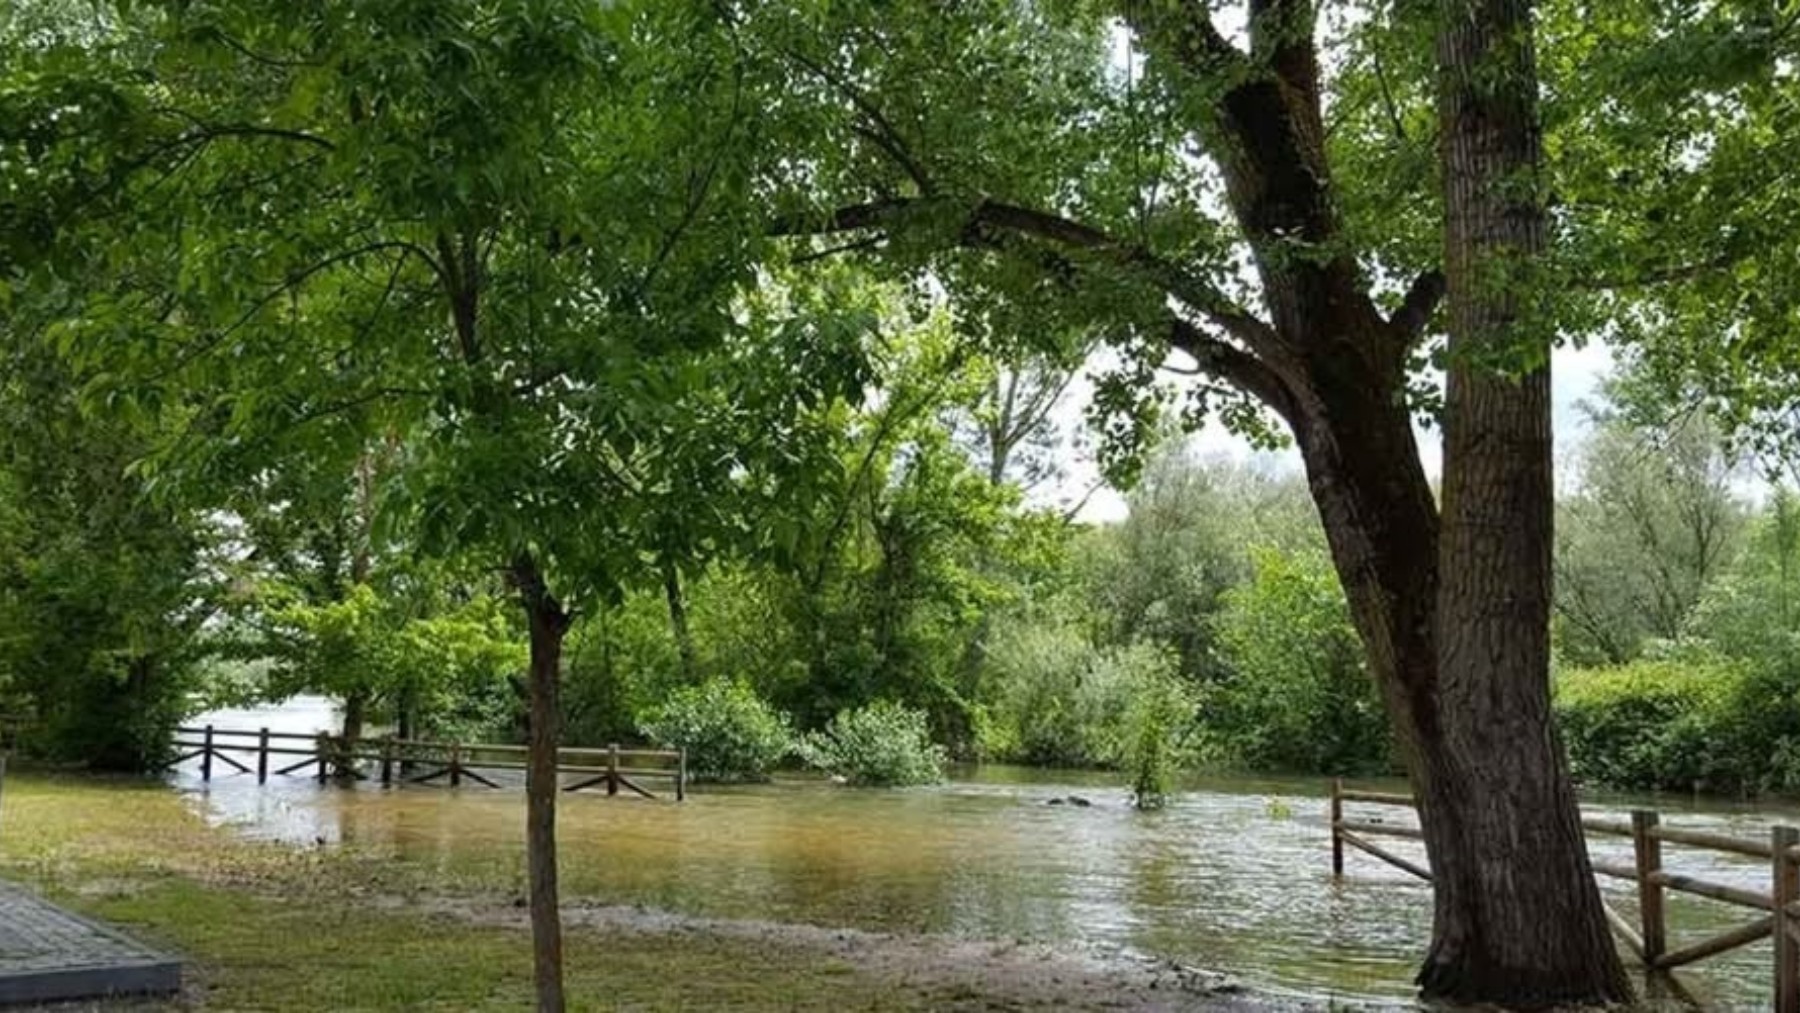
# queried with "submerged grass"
point(268, 926)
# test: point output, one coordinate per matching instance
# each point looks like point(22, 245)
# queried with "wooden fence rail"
point(411, 761)
point(1647, 939)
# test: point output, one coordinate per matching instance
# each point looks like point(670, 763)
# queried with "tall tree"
point(1500, 798)
point(1034, 157)
point(1652, 519)
point(513, 234)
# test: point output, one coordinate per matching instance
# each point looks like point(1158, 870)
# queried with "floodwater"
point(1233, 876)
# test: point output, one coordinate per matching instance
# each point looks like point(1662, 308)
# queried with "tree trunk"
point(1518, 918)
point(406, 721)
point(678, 622)
point(356, 706)
point(548, 624)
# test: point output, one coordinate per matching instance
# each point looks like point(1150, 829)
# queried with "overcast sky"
point(1575, 377)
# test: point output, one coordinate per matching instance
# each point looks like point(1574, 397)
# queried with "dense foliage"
point(1683, 724)
point(729, 733)
point(725, 342)
point(1297, 697)
point(1716, 707)
point(883, 744)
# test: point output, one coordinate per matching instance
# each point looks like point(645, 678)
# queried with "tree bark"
point(548, 624)
point(356, 705)
point(1518, 916)
point(678, 622)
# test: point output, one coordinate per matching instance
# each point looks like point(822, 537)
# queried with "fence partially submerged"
point(1647, 939)
point(264, 754)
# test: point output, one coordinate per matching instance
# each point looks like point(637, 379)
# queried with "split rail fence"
point(1648, 939)
point(264, 754)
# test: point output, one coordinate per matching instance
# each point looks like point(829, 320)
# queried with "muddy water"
point(1234, 875)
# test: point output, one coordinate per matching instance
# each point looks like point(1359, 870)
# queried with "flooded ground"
point(1233, 876)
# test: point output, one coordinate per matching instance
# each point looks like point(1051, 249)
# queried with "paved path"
point(47, 953)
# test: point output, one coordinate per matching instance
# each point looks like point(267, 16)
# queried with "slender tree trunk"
point(678, 622)
point(356, 705)
point(548, 624)
point(406, 720)
point(1518, 917)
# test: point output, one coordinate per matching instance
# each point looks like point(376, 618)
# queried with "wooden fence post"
point(1647, 850)
point(612, 768)
point(206, 756)
point(323, 745)
point(262, 757)
point(1785, 891)
point(455, 764)
point(387, 760)
point(1337, 818)
point(681, 775)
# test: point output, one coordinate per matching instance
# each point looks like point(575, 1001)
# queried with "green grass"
point(259, 952)
point(270, 927)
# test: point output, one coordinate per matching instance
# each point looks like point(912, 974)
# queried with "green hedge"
point(1684, 725)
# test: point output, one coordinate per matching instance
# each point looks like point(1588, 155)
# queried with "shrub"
point(729, 733)
point(881, 744)
point(1060, 701)
point(1682, 725)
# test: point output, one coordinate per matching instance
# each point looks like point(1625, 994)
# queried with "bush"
point(1694, 724)
point(1060, 701)
point(1298, 697)
point(881, 744)
point(729, 733)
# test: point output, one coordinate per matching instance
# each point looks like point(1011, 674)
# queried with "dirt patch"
point(950, 973)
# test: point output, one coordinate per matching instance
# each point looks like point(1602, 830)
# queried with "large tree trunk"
point(548, 625)
point(1518, 916)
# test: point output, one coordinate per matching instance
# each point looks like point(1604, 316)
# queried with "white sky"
point(1575, 376)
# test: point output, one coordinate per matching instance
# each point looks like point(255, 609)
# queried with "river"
point(1233, 876)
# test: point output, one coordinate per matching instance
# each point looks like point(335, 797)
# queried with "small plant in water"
point(1278, 809)
point(1158, 708)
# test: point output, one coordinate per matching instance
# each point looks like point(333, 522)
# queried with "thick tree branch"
point(1237, 367)
point(1281, 38)
point(1185, 29)
point(985, 222)
point(1418, 306)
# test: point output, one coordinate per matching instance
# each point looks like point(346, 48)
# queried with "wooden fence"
point(1778, 908)
point(264, 754)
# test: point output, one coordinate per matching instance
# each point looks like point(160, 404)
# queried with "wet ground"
point(1234, 876)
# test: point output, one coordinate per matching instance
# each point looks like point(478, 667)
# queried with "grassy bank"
point(269, 926)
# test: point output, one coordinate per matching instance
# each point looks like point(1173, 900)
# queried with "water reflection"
point(1223, 878)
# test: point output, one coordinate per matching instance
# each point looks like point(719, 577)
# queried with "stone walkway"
point(47, 954)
